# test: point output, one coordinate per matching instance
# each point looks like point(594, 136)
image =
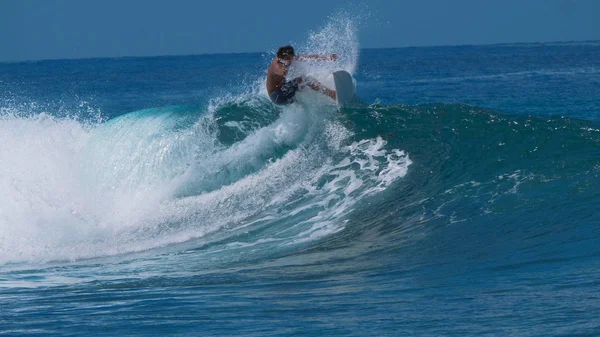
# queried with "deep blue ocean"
point(168, 196)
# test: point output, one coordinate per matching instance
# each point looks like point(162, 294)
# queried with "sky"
point(57, 29)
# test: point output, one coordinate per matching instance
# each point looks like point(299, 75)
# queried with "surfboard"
point(344, 88)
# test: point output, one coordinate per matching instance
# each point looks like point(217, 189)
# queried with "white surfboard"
point(344, 88)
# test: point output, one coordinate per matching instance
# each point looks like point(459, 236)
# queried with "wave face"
point(201, 206)
point(167, 175)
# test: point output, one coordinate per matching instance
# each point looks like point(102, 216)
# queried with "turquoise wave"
point(244, 176)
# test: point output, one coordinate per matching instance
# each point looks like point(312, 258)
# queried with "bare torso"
point(277, 72)
point(276, 76)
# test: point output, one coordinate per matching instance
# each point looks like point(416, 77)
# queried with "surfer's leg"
point(317, 86)
point(285, 95)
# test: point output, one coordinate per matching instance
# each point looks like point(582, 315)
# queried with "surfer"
point(281, 91)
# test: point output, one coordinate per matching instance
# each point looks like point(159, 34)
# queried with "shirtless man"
point(281, 91)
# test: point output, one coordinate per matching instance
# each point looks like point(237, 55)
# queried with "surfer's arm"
point(317, 57)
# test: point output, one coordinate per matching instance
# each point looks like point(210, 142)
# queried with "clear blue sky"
point(50, 29)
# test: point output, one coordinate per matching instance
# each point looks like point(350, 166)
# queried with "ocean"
point(169, 196)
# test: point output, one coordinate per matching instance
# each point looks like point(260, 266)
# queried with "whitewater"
point(168, 195)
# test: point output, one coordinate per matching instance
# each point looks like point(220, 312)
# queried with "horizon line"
point(267, 52)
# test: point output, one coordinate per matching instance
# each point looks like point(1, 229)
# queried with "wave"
point(240, 179)
point(161, 176)
point(165, 175)
point(570, 72)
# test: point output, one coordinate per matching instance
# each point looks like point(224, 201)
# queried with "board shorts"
point(285, 94)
